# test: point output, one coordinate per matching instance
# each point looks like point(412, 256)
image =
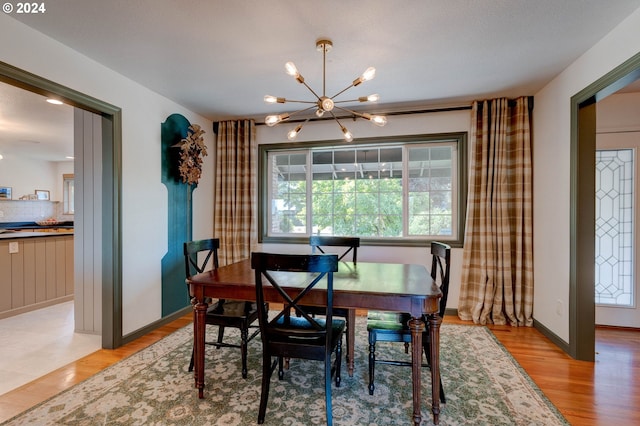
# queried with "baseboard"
point(36, 306)
point(564, 346)
point(551, 336)
point(156, 324)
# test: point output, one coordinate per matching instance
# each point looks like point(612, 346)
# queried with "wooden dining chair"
point(223, 313)
point(393, 326)
point(303, 337)
point(321, 243)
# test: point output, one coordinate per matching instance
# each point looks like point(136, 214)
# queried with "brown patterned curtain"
point(234, 210)
point(497, 270)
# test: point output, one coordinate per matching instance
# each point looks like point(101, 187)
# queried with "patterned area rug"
point(484, 386)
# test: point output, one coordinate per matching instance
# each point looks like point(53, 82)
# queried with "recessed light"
point(54, 101)
point(69, 157)
point(1, 157)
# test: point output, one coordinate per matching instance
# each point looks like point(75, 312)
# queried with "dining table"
point(366, 285)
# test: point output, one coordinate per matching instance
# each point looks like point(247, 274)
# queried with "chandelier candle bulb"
point(272, 120)
point(293, 71)
point(378, 120)
point(366, 76)
point(347, 134)
point(293, 133)
point(273, 100)
point(371, 98)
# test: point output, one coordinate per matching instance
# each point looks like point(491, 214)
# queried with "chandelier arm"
point(311, 90)
point(348, 100)
point(342, 91)
point(302, 110)
point(337, 121)
point(378, 120)
point(300, 102)
point(336, 118)
point(350, 111)
point(303, 123)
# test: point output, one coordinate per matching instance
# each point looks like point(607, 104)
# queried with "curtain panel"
point(497, 270)
point(234, 194)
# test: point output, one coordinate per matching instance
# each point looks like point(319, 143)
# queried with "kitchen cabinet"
point(36, 272)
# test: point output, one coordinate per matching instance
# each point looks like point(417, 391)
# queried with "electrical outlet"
point(13, 247)
point(559, 308)
point(1, 213)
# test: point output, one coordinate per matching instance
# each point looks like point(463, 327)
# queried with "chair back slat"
point(321, 242)
point(440, 270)
point(191, 251)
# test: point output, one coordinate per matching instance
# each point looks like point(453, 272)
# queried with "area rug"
point(484, 385)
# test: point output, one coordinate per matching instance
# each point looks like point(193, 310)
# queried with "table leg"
point(199, 324)
point(434, 349)
point(416, 326)
point(351, 339)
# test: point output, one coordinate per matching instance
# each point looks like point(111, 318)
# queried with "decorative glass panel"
point(614, 227)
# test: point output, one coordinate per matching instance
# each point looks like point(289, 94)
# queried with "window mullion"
point(405, 191)
point(309, 193)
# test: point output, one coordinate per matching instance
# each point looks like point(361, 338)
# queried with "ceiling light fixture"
point(324, 104)
point(54, 101)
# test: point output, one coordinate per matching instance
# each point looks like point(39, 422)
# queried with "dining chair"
point(303, 337)
point(393, 326)
point(223, 313)
point(321, 243)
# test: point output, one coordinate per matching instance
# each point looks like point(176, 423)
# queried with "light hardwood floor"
point(604, 392)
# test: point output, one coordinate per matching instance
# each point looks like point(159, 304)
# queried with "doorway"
point(108, 193)
point(582, 199)
point(617, 213)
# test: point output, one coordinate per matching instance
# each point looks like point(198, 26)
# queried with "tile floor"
point(36, 343)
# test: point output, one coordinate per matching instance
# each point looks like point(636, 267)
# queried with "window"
point(68, 193)
point(383, 191)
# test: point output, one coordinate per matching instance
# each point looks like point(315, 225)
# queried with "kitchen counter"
point(9, 235)
point(12, 230)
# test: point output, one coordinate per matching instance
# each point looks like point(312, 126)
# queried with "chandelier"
point(324, 104)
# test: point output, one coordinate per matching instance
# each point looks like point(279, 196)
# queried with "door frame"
point(582, 205)
point(111, 189)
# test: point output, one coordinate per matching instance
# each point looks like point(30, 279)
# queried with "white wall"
point(144, 197)
point(24, 176)
point(551, 163)
point(441, 122)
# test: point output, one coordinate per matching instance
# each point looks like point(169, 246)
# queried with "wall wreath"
point(192, 149)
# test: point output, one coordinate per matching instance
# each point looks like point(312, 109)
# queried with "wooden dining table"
point(367, 285)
